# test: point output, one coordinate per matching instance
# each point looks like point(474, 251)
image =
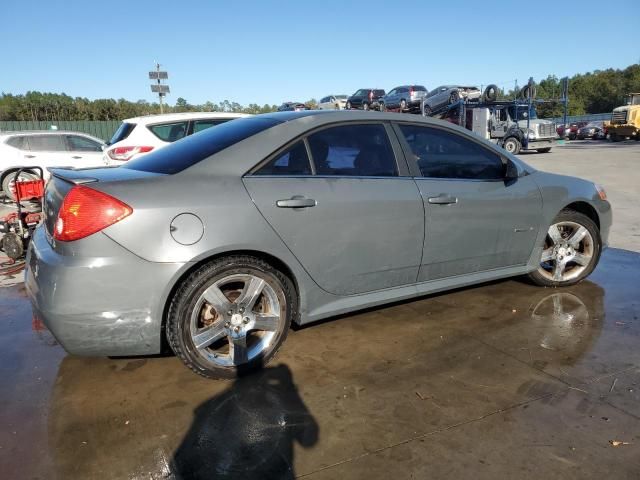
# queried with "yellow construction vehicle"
point(625, 121)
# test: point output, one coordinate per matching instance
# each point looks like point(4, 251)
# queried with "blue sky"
point(272, 51)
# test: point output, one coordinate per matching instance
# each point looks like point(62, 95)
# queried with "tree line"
point(594, 92)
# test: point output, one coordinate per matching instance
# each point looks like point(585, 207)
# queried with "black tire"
point(348, 106)
point(454, 97)
point(7, 180)
point(426, 111)
point(543, 150)
point(185, 298)
point(382, 107)
point(365, 106)
point(491, 93)
point(403, 105)
point(581, 219)
point(512, 145)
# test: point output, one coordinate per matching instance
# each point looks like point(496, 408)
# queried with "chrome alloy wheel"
point(568, 251)
point(236, 319)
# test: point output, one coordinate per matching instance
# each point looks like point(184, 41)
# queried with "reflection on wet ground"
point(505, 380)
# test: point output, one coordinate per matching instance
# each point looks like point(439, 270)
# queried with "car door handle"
point(442, 199)
point(76, 157)
point(297, 201)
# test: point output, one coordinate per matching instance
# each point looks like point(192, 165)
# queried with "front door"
point(351, 220)
point(475, 220)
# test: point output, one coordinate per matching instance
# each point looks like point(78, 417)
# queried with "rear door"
point(46, 150)
point(474, 219)
point(345, 207)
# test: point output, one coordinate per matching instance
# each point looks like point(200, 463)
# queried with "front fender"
point(560, 191)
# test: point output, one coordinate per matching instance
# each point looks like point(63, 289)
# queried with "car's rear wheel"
point(8, 184)
point(230, 316)
point(403, 105)
point(570, 252)
point(426, 111)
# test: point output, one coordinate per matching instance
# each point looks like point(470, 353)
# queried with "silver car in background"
point(333, 102)
point(219, 241)
point(444, 95)
point(405, 98)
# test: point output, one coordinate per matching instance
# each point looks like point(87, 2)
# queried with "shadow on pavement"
point(248, 431)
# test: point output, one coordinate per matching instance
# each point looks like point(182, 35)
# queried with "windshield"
point(522, 112)
point(190, 150)
point(341, 97)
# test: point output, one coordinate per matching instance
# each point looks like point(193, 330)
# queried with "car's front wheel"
point(230, 316)
point(512, 145)
point(570, 252)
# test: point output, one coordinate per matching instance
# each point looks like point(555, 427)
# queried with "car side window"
point(442, 154)
point(78, 143)
point(46, 143)
point(353, 150)
point(293, 161)
point(169, 132)
point(392, 92)
point(17, 142)
point(199, 125)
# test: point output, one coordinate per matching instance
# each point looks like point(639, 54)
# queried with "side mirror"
point(510, 170)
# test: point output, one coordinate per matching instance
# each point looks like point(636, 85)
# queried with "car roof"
point(170, 117)
point(10, 133)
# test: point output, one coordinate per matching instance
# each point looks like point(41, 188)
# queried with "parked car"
point(445, 95)
point(365, 99)
point(594, 130)
point(140, 135)
point(406, 98)
point(573, 129)
point(48, 148)
point(222, 240)
point(292, 107)
point(333, 102)
point(563, 130)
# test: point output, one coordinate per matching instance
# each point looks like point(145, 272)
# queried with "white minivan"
point(140, 135)
point(48, 148)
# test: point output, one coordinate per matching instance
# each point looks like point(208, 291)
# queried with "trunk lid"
point(62, 180)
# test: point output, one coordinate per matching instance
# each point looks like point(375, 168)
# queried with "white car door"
point(45, 150)
point(84, 152)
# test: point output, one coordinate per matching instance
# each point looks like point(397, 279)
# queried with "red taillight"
point(124, 154)
point(86, 211)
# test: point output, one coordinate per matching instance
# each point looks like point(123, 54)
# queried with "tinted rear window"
point(419, 88)
point(123, 131)
point(190, 150)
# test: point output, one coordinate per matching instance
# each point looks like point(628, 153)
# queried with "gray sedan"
point(218, 242)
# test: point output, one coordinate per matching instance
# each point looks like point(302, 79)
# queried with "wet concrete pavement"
point(503, 380)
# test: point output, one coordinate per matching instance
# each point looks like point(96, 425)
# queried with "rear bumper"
point(101, 306)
